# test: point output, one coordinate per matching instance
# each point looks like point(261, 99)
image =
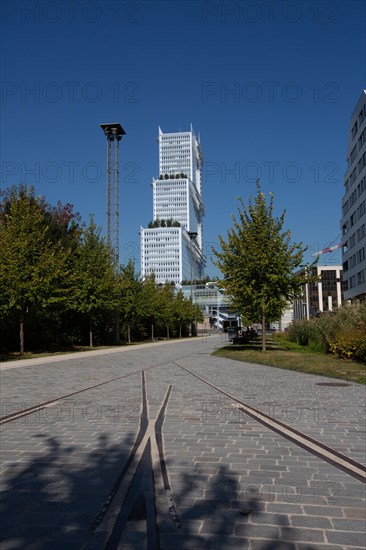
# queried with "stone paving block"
point(315, 522)
point(350, 524)
point(257, 531)
point(348, 538)
point(330, 511)
point(298, 534)
point(284, 508)
point(278, 545)
point(354, 512)
point(217, 527)
point(269, 519)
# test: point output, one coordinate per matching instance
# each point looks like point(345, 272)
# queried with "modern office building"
point(353, 222)
point(324, 294)
point(171, 245)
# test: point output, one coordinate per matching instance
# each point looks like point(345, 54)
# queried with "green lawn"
point(286, 355)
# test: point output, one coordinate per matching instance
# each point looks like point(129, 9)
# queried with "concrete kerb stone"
point(90, 353)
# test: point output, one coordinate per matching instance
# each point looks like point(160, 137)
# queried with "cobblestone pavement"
point(91, 470)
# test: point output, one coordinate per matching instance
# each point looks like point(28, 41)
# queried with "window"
point(360, 277)
point(354, 130)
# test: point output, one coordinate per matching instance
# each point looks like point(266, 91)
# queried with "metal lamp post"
point(192, 236)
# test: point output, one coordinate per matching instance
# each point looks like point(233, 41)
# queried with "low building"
point(214, 304)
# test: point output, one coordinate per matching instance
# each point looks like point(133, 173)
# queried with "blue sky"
point(270, 87)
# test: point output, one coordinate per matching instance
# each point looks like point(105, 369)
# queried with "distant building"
point(324, 295)
point(354, 207)
point(286, 319)
point(171, 246)
point(214, 304)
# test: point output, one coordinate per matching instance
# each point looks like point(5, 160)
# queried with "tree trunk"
point(90, 333)
point(263, 331)
point(180, 331)
point(129, 333)
point(21, 334)
point(167, 332)
point(117, 329)
point(152, 332)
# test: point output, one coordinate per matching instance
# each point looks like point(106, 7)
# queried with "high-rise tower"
point(171, 246)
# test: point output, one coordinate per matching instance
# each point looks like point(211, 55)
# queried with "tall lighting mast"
point(113, 132)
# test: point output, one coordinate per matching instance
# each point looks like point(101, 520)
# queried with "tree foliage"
point(33, 260)
point(258, 262)
point(94, 277)
point(59, 285)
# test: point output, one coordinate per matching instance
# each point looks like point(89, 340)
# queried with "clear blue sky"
point(270, 87)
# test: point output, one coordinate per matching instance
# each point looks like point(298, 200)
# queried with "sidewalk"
point(234, 482)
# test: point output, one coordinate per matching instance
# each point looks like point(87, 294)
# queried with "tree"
point(258, 262)
point(179, 309)
point(165, 311)
point(129, 287)
point(33, 260)
point(95, 277)
point(147, 303)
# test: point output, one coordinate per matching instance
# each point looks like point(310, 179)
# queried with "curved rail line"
point(40, 406)
point(326, 453)
point(342, 462)
point(19, 414)
point(147, 456)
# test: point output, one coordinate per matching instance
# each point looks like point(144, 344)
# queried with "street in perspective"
point(163, 445)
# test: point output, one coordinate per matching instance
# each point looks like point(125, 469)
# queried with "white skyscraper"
point(354, 206)
point(171, 246)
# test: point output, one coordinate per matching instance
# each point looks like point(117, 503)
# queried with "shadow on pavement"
point(52, 502)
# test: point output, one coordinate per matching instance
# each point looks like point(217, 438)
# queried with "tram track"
point(342, 462)
point(326, 453)
point(40, 406)
point(145, 472)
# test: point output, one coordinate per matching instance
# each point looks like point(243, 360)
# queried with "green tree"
point(94, 277)
point(179, 310)
point(129, 288)
point(147, 304)
point(165, 310)
point(33, 260)
point(258, 262)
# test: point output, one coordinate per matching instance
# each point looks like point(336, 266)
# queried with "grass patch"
point(292, 356)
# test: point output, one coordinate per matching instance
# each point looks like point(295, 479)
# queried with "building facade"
point(325, 294)
point(353, 222)
point(214, 304)
point(172, 245)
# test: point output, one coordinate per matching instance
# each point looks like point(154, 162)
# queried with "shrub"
point(305, 333)
point(349, 345)
point(341, 332)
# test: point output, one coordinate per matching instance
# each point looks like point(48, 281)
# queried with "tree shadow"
point(53, 501)
point(50, 502)
point(217, 515)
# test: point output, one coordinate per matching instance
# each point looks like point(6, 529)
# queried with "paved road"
point(149, 444)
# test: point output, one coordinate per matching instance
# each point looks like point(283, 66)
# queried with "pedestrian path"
point(139, 449)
